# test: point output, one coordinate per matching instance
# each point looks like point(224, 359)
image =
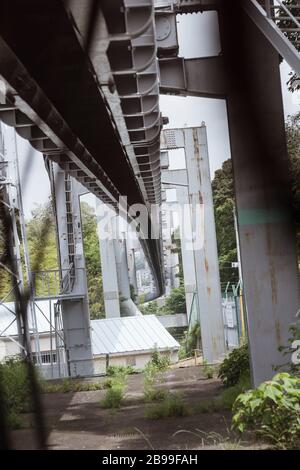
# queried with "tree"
point(292, 35)
point(42, 249)
point(92, 261)
point(175, 303)
point(223, 197)
point(292, 127)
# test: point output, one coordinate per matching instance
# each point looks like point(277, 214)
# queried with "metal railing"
point(286, 17)
point(280, 23)
point(53, 283)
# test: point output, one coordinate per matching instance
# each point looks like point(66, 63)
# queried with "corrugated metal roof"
point(109, 336)
point(130, 334)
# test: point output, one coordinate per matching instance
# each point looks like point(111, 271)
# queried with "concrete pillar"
point(266, 232)
point(127, 306)
point(114, 265)
point(187, 255)
point(108, 260)
point(204, 243)
point(74, 300)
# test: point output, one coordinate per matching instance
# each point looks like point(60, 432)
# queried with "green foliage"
point(160, 361)
point(149, 308)
point(44, 256)
point(193, 337)
point(177, 242)
point(208, 371)
point(16, 389)
point(153, 376)
point(189, 342)
point(292, 128)
point(92, 260)
point(117, 371)
point(115, 387)
point(114, 396)
point(226, 399)
point(290, 365)
point(223, 197)
point(235, 366)
point(272, 411)
point(175, 302)
point(172, 405)
point(292, 35)
point(69, 385)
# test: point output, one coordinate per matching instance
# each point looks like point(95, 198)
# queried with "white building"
point(115, 341)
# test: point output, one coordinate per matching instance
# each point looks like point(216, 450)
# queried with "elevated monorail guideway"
point(52, 91)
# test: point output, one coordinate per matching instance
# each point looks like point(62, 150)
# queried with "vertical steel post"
point(205, 244)
point(260, 163)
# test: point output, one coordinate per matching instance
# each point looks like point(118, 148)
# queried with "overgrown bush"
point(16, 389)
point(208, 371)
point(235, 366)
point(114, 396)
point(153, 376)
point(115, 387)
point(113, 371)
point(161, 361)
point(226, 399)
point(272, 411)
point(292, 366)
point(69, 385)
point(172, 405)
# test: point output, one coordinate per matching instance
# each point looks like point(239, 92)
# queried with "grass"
point(70, 385)
point(155, 394)
point(115, 388)
point(226, 399)
point(208, 370)
point(16, 390)
point(172, 405)
point(114, 396)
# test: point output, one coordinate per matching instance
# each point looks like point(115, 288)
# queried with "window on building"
point(45, 357)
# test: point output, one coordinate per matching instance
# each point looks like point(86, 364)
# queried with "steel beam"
point(193, 77)
point(273, 33)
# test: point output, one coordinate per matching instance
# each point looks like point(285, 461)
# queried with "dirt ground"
point(76, 420)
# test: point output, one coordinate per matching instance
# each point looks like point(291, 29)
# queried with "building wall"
point(10, 348)
point(137, 361)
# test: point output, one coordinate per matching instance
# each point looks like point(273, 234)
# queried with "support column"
point(260, 162)
point(114, 265)
point(205, 249)
point(188, 260)
point(127, 306)
point(108, 260)
point(74, 301)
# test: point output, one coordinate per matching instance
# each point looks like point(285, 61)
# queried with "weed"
point(235, 366)
point(208, 371)
point(226, 399)
point(16, 389)
point(70, 385)
point(113, 371)
point(155, 394)
point(172, 405)
point(114, 396)
point(272, 411)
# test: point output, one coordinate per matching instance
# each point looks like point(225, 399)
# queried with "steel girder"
point(50, 94)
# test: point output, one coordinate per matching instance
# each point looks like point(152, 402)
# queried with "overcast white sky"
point(198, 37)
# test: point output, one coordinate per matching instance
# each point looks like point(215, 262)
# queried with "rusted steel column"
point(204, 243)
point(260, 162)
